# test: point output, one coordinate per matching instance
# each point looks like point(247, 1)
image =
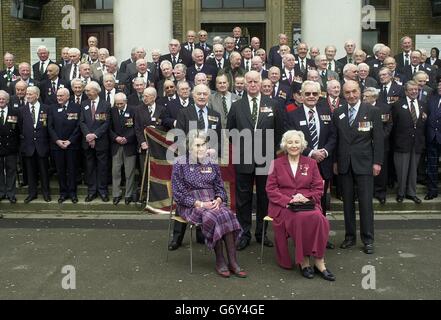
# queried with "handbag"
point(300, 207)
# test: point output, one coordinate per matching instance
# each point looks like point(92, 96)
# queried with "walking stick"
point(144, 172)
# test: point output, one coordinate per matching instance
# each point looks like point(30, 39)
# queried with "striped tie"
point(313, 130)
point(351, 116)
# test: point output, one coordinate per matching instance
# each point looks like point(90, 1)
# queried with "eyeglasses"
point(314, 94)
point(200, 145)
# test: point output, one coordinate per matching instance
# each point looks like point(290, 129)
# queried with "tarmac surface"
point(124, 257)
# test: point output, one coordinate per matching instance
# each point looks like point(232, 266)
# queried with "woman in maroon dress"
point(200, 196)
point(296, 179)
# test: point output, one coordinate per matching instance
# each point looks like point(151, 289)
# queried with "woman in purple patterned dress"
point(200, 196)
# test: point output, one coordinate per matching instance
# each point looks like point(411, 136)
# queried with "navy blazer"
point(9, 133)
point(36, 69)
point(47, 96)
point(171, 112)
point(99, 126)
point(208, 70)
point(65, 125)
point(34, 139)
point(328, 135)
point(434, 120)
point(123, 127)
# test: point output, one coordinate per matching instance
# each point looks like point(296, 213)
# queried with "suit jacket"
point(368, 82)
point(187, 115)
point(184, 58)
point(240, 118)
point(9, 133)
point(387, 119)
point(396, 91)
point(208, 49)
point(284, 92)
point(296, 74)
point(344, 61)
point(98, 126)
point(212, 62)
point(123, 65)
point(36, 69)
point(327, 103)
point(144, 120)
point(133, 100)
point(65, 72)
point(65, 125)
point(171, 112)
point(437, 63)
point(31, 83)
point(399, 58)
point(34, 139)
point(361, 145)
point(231, 75)
point(327, 139)
point(405, 134)
point(243, 42)
point(47, 95)
point(16, 103)
point(123, 126)
point(129, 82)
point(208, 70)
point(3, 79)
point(282, 184)
point(433, 133)
point(217, 105)
point(425, 94)
point(329, 75)
point(408, 73)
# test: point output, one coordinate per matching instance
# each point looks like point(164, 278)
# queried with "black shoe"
point(414, 199)
point(266, 242)
point(173, 245)
point(429, 197)
point(368, 249)
point(29, 199)
point(400, 199)
point(330, 246)
point(47, 199)
point(116, 200)
point(307, 272)
point(347, 244)
point(128, 201)
point(381, 200)
point(61, 200)
point(90, 197)
point(75, 200)
point(105, 198)
point(326, 274)
point(12, 200)
point(243, 243)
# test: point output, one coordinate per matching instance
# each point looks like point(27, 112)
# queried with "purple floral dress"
point(203, 182)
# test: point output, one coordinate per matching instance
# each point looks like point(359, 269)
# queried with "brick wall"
point(16, 33)
point(178, 22)
point(292, 16)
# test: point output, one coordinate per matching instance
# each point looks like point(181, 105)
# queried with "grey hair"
point(288, 135)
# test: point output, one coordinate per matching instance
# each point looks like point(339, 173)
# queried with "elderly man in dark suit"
point(172, 109)
point(10, 74)
point(200, 66)
point(177, 54)
point(433, 142)
point(390, 90)
point(123, 138)
point(34, 144)
point(65, 134)
point(50, 86)
point(40, 67)
point(410, 117)
point(9, 143)
point(403, 58)
point(274, 51)
point(316, 123)
point(94, 124)
point(359, 158)
point(256, 115)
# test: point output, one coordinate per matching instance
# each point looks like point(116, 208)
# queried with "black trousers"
point(380, 182)
point(8, 175)
point(244, 202)
point(66, 165)
point(365, 184)
point(38, 168)
point(433, 154)
point(97, 174)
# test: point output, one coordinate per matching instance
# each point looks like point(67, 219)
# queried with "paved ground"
point(124, 258)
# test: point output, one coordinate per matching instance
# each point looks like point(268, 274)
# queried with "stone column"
point(145, 23)
point(334, 22)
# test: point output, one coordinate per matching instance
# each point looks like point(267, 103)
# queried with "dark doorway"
point(104, 34)
point(249, 30)
point(379, 35)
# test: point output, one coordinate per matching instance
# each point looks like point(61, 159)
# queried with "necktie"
point(2, 118)
point(224, 105)
point(201, 121)
point(323, 73)
point(74, 74)
point(21, 102)
point(330, 66)
point(9, 75)
point(150, 111)
point(33, 114)
point(254, 115)
point(184, 103)
point(54, 88)
point(414, 70)
point(351, 116)
point(247, 66)
point(302, 66)
point(121, 118)
point(313, 130)
point(290, 77)
point(78, 100)
point(406, 60)
point(93, 110)
point(413, 112)
point(350, 60)
point(334, 104)
point(174, 61)
point(108, 97)
point(42, 68)
point(219, 64)
point(385, 94)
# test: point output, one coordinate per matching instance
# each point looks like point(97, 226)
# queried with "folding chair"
point(173, 217)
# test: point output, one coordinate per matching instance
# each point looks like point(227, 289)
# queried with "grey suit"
point(216, 104)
